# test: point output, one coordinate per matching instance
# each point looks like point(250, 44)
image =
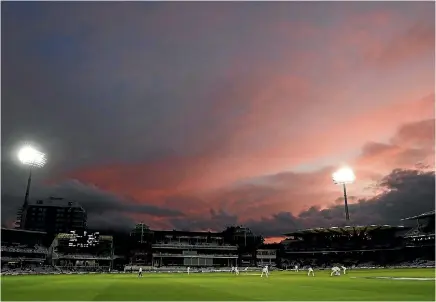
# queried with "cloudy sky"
point(199, 115)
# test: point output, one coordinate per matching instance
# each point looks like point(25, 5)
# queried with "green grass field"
point(356, 285)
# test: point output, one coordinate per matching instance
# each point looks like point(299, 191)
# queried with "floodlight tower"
point(31, 157)
point(342, 177)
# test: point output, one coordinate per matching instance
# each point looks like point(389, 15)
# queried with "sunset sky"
point(200, 115)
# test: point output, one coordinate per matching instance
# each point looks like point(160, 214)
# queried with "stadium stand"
point(235, 246)
point(22, 250)
point(420, 240)
point(424, 231)
point(267, 254)
point(197, 249)
point(362, 246)
point(373, 246)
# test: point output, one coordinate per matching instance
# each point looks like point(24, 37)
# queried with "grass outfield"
point(356, 285)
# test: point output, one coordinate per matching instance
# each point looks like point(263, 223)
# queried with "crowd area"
point(81, 256)
point(84, 269)
point(36, 249)
point(38, 269)
point(199, 254)
point(192, 243)
point(24, 268)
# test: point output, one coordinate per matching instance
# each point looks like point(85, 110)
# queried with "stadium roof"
point(343, 229)
point(23, 231)
point(423, 215)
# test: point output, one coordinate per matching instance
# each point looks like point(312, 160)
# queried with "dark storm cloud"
point(406, 193)
point(99, 201)
point(105, 210)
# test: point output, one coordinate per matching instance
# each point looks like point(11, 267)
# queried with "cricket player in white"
point(344, 269)
point(265, 271)
point(335, 271)
point(296, 268)
point(310, 271)
point(236, 270)
point(140, 272)
point(233, 269)
point(188, 269)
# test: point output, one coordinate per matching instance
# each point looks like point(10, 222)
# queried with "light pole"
point(342, 177)
point(31, 157)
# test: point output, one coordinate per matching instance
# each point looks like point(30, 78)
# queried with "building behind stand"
point(52, 216)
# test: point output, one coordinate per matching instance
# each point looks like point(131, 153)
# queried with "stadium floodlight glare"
point(342, 177)
point(31, 157)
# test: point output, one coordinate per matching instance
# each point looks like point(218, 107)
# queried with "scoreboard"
point(84, 239)
point(74, 243)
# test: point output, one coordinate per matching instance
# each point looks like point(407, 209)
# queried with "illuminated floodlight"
point(344, 176)
point(29, 156)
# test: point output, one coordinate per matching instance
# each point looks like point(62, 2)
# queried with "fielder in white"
point(344, 269)
point(188, 269)
point(310, 271)
point(265, 271)
point(296, 268)
point(236, 270)
point(335, 271)
point(140, 272)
